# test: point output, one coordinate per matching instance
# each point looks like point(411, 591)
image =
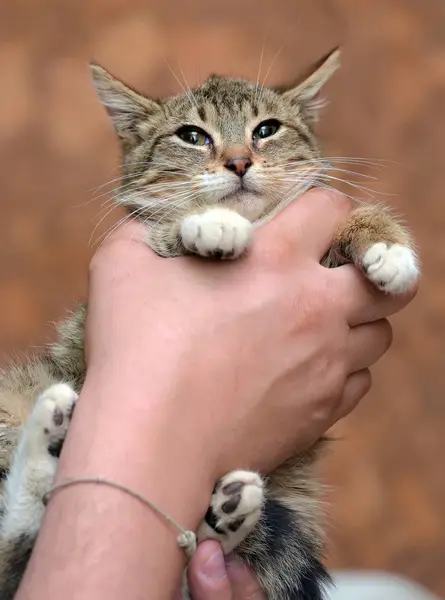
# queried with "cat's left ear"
point(307, 93)
point(127, 108)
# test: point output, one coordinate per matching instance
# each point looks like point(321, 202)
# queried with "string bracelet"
point(186, 540)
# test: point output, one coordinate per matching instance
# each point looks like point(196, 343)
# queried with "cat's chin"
point(249, 205)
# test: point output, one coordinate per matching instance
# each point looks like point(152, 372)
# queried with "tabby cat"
point(201, 170)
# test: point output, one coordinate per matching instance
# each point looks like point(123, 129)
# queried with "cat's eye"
point(266, 129)
point(194, 135)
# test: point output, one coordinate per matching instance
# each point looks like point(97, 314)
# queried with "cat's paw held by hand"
point(393, 268)
point(216, 233)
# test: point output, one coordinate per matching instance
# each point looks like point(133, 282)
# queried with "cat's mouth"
point(242, 189)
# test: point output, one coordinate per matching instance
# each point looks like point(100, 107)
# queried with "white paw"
point(48, 423)
point(392, 268)
point(35, 461)
point(235, 509)
point(218, 232)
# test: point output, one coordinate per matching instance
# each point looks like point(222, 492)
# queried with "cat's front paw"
point(392, 268)
point(48, 423)
point(234, 510)
point(217, 233)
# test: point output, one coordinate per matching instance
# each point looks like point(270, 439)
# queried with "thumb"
point(245, 586)
point(309, 222)
point(207, 574)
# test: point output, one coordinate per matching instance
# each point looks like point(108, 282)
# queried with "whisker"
point(255, 98)
point(101, 220)
point(338, 170)
point(121, 221)
point(274, 59)
point(189, 90)
point(179, 82)
point(361, 188)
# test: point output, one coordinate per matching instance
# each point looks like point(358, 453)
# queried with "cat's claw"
point(217, 233)
point(393, 268)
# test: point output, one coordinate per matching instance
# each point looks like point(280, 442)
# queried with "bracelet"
point(186, 540)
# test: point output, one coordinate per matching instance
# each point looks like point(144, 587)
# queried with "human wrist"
point(175, 379)
point(134, 430)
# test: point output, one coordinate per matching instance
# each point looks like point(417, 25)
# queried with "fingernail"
point(215, 567)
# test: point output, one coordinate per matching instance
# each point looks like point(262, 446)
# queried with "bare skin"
point(209, 365)
point(213, 578)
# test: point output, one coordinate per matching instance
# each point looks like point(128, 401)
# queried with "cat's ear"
point(307, 93)
point(126, 108)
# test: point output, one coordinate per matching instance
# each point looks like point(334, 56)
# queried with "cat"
point(202, 170)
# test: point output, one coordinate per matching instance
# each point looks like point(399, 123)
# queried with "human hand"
point(211, 577)
point(274, 346)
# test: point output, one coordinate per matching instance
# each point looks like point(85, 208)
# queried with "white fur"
point(392, 268)
point(249, 508)
point(216, 230)
point(33, 467)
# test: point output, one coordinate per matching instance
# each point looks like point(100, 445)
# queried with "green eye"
point(266, 129)
point(194, 135)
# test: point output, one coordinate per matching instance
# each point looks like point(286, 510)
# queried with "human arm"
point(196, 368)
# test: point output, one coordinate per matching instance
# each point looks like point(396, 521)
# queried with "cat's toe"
point(235, 508)
point(51, 416)
point(216, 233)
point(393, 268)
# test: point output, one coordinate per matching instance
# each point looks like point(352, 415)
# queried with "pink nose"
point(239, 165)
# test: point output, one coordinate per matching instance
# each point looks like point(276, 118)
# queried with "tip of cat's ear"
point(325, 66)
point(99, 74)
point(332, 59)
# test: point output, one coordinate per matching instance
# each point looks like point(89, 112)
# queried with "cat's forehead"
point(221, 98)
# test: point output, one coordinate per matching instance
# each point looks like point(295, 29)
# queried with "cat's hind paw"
point(35, 461)
point(393, 268)
point(48, 423)
point(235, 509)
point(216, 233)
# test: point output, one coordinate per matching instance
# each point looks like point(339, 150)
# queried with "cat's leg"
point(215, 232)
point(378, 244)
point(235, 509)
point(35, 460)
point(30, 478)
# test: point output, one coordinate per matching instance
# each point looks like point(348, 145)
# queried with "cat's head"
point(228, 142)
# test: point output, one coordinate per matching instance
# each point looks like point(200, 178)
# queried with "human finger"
point(367, 343)
point(310, 221)
point(207, 574)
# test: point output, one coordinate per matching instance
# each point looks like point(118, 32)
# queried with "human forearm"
point(196, 369)
point(98, 542)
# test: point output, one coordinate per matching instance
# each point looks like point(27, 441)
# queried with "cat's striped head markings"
point(227, 141)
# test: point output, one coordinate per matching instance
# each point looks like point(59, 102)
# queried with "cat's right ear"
point(126, 108)
point(306, 94)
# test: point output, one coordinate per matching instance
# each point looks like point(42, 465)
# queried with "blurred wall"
point(388, 102)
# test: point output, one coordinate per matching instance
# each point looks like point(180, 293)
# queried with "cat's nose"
point(238, 164)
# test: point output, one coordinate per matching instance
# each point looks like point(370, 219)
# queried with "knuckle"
point(339, 201)
point(366, 381)
point(386, 333)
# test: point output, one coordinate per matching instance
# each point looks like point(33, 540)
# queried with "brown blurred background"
point(388, 102)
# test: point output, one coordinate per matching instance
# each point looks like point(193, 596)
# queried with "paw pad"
point(237, 500)
point(47, 426)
